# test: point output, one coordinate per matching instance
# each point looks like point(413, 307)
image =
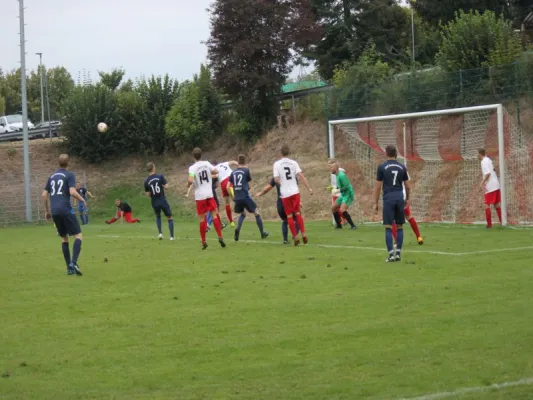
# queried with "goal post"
point(441, 148)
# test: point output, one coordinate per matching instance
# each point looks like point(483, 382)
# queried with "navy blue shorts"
point(281, 210)
point(162, 206)
point(245, 204)
point(67, 224)
point(394, 211)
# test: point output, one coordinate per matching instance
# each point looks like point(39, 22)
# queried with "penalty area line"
point(475, 389)
point(334, 246)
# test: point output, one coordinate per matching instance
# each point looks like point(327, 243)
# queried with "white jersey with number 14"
point(287, 170)
point(203, 187)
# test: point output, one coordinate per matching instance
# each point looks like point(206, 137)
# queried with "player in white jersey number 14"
point(200, 175)
point(286, 173)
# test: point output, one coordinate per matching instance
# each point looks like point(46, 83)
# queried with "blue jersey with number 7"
point(393, 174)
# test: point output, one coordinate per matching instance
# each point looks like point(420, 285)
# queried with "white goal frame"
point(492, 107)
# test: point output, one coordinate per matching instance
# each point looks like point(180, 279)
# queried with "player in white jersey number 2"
point(224, 172)
point(287, 172)
point(491, 185)
point(200, 175)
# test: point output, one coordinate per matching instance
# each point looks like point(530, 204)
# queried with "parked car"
point(13, 123)
point(54, 126)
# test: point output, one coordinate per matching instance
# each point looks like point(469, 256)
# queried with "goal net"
point(440, 149)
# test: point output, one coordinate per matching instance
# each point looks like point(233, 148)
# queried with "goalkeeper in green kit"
point(346, 198)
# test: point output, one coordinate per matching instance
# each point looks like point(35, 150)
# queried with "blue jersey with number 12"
point(393, 174)
point(240, 179)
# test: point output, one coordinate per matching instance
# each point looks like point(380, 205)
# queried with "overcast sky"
point(143, 37)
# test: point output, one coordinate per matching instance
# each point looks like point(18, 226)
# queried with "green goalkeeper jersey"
point(344, 185)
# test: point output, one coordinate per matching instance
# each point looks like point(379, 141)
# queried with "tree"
point(196, 116)
point(475, 40)
point(60, 86)
point(249, 52)
point(349, 25)
point(438, 11)
point(112, 79)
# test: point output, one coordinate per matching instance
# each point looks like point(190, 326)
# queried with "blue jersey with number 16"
point(58, 186)
point(393, 174)
point(154, 185)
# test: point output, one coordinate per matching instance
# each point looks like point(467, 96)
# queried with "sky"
point(143, 37)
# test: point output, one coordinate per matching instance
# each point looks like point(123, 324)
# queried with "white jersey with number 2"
point(487, 167)
point(287, 170)
point(224, 171)
point(203, 186)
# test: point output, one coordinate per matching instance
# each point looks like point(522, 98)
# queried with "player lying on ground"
point(281, 211)
point(333, 189)
point(346, 198)
point(391, 178)
point(124, 213)
point(154, 187)
point(200, 175)
point(286, 172)
point(491, 185)
point(412, 222)
point(240, 188)
point(224, 172)
point(83, 209)
point(60, 186)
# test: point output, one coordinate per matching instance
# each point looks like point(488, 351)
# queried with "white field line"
point(333, 246)
point(475, 389)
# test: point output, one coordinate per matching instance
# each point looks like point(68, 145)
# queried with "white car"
point(13, 123)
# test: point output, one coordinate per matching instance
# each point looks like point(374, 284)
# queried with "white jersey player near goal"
point(201, 177)
point(491, 186)
point(287, 173)
point(224, 172)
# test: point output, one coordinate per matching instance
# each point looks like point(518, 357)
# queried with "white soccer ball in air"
point(102, 127)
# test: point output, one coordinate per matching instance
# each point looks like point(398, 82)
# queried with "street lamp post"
point(42, 93)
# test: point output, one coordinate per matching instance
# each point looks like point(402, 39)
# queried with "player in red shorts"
point(224, 172)
point(412, 222)
point(124, 212)
point(491, 185)
point(287, 173)
point(200, 175)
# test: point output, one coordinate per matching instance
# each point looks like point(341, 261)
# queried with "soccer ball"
point(102, 127)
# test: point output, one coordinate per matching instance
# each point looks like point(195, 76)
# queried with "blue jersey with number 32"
point(58, 186)
point(393, 174)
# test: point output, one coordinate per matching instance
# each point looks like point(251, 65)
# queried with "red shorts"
point(493, 197)
point(334, 199)
point(205, 206)
point(291, 204)
point(223, 186)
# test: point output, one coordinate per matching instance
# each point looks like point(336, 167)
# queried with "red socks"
point(488, 217)
point(394, 230)
point(228, 213)
point(203, 229)
point(499, 212)
point(292, 226)
point(300, 221)
point(414, 227)
point(218, 226)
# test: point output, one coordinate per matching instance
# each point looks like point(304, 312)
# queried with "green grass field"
point(259, 320)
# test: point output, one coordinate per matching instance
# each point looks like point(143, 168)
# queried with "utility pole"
point(24, 95)
point(42, 94)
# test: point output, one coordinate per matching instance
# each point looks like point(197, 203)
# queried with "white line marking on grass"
point(333, 246)
point(475, 389)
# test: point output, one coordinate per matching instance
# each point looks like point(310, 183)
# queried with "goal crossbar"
point(435, 113)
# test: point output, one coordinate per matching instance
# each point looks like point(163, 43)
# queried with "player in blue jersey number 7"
point(392, 177)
